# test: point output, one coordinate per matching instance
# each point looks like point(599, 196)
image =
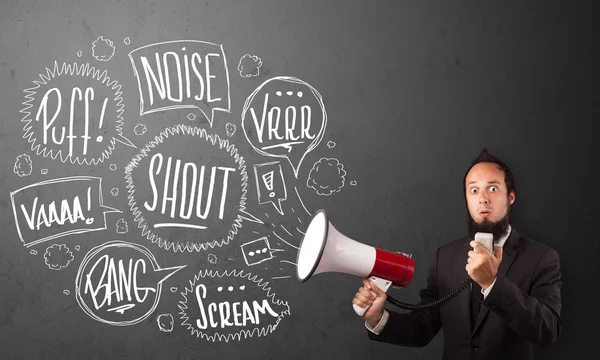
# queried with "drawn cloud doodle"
point(326, 176)
point(23, 165)
point(165, 322)
point(103, 49)
point(140, 129)
point(122, 226)
point(58, 257)
point(247, 309)
point(230, 129)
point(249, 66)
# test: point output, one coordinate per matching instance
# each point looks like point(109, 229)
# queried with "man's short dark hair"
point(485, 156)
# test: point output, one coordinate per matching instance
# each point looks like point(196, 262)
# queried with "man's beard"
point(497, 229)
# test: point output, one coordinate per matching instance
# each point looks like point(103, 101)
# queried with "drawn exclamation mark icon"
point(268, 180)
point(99, 138)
point(89, 221)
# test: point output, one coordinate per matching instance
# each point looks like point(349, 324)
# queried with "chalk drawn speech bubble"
point(230, 305)
point(182, 74)
point(59, 207)
point(119, 283)
point(74, 112)
point(270, 184)
point(184, 186)
point(284, 117)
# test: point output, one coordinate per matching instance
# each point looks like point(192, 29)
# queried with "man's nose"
point(483, 199)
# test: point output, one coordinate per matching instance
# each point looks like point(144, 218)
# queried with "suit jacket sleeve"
point(534, 316)
point(417, 328)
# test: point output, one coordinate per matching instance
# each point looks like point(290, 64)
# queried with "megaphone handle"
point(383, 284)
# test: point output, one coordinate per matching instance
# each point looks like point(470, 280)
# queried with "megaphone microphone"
point(324, 249)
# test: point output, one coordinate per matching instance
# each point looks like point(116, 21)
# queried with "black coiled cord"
point(446, 298)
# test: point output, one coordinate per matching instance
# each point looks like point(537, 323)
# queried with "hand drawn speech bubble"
point(74, 112)
point(59, 207)
point(257, 251)
point(270, 184)
point(230, 305)
point(182, 74)
point(119, 283)
point(284, 117)
point(184, 186)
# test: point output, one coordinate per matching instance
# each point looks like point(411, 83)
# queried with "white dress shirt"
point(384, 319)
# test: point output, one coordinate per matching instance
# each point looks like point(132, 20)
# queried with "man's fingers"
point(359, 303)
point(498, 250)
point(363, 298)
point(366, 293)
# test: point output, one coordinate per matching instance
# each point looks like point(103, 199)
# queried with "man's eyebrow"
point(489, 182)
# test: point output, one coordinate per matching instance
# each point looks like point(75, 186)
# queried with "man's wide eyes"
point(492, 188)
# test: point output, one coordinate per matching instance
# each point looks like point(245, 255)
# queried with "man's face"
point(488, 200)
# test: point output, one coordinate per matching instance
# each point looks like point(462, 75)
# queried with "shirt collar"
point(503, 239)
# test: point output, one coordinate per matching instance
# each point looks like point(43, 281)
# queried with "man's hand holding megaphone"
point(364, 298)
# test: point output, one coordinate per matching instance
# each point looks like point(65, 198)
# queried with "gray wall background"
point(413, 92)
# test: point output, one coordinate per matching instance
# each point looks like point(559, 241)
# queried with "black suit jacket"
point(522, 308)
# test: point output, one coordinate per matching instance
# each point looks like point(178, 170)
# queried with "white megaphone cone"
point(324, 249)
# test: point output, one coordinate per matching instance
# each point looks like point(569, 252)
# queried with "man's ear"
point(512, 197)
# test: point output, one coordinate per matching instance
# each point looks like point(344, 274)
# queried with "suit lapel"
point(460, 272)
point(509, 253)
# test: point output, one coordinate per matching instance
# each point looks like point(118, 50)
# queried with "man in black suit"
point(515, 298)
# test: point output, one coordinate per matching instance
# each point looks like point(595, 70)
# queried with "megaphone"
point(324, 249)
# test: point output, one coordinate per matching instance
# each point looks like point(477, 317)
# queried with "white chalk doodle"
point(249, 66)
point(58, 257)
point(114, 191)
point(112, 167)
point(103, 49)
point(53, 127)
point(140, 129)
point(191, 117)
point(126, 41)
point(173, 289)
point(33, 252)
point(212, 258)
point(182, 74)
point(327, 176)
point(353, 183)
point(42, 213)
point(23, 165)
point(122, 226)
point(77, 247)
point(120, 283)
point(230, 129)
point(286, 127)
point(270, 184)
point(165, 322)
point(44, 171)
point(285, 242)
point(66, 292)
point(176, 200)
point(257, 251)
point(230, 315)
point(79, 53)
point(331, 144)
